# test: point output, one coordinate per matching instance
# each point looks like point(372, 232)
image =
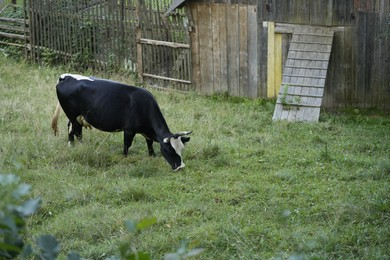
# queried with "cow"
point(111, 107)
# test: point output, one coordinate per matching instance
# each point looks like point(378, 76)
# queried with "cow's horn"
point(167, 139)
point(184, 133)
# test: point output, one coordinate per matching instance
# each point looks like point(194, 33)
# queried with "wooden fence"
point(13, 24)
point(131, 34)
point(164, 49)
point(99, 33)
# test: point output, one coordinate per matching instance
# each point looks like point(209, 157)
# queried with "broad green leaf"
point(139, 256)
point(131, 226)
point(5, 247)
point(6, 179)
point(172, 256)
point(146, 222)
point(49, 246)
point(125, 249)
point(9, 223)
point(29, 207)
point(21, 191)
point(73, 256)
point(194, 252)
point(27, 250)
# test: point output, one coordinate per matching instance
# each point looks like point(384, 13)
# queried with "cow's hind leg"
point(74, 128)
point(127, 141)
point(149, 143)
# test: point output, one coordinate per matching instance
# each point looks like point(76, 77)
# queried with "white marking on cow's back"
point(75, 76)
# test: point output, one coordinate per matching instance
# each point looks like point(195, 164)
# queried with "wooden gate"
point(163, 48)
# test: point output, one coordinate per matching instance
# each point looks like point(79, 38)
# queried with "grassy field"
point(252, 188)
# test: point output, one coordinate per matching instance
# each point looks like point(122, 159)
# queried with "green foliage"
point(13, 212)
point(12, 224)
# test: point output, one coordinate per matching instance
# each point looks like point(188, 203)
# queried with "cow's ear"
point(185, 139)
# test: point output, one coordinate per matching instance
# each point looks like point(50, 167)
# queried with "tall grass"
point(252, 188)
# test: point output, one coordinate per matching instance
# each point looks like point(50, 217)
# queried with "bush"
point(13, 210)
point(12, 214)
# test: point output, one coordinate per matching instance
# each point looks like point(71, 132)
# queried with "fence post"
point(138, 39)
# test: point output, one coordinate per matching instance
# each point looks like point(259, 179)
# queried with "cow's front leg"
point(149, 143)
point(127, 141)
point(74, 128)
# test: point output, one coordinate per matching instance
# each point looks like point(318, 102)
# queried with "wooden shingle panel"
point(303, 82)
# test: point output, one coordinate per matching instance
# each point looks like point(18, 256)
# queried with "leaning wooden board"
point(304, 74)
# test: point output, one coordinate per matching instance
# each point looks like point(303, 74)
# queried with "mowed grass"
point(252, 188)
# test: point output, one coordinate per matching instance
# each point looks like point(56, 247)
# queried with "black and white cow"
point(111, 106)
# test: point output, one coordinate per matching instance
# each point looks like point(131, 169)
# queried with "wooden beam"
point(140, 68)
point(13, 36)
point(13, 28)
point(166, 78)
point(164, 43)
point(13, 20)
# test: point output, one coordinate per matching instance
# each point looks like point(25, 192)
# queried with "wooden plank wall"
point(359, 67)
point(225, 48)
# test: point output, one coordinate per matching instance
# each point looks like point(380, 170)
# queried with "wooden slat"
point(164, 43)
point(252, 52)
point(300, 76)
point(304, 67)
point(218, 36)
point(243, 50)
point(13, 36)
point(205, 48)
point(14, 20)
point(166, 78)
point(233, 49)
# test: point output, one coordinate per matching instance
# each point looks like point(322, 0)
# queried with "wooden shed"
point(240, 47)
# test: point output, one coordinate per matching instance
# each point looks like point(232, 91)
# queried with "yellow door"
point(274, 63)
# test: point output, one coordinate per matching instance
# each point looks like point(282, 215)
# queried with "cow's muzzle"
point(181, 166)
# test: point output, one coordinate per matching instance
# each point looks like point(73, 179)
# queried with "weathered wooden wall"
point(224, 48)
point(225, 59)
point(359, 68)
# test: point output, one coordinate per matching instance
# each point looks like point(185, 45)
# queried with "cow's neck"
point(161, 128)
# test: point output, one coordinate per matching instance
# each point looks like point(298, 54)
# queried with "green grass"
point(252, 188)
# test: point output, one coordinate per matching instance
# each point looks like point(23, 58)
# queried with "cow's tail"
point(54, 121)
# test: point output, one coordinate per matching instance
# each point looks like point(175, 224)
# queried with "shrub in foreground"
point(14, 209)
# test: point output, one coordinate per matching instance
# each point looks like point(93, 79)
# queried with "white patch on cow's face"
point(76, 76)
point(177, 144)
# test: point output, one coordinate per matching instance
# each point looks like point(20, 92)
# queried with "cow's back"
point(106, 105)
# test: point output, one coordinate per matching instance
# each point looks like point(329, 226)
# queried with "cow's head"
point(172, 148)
